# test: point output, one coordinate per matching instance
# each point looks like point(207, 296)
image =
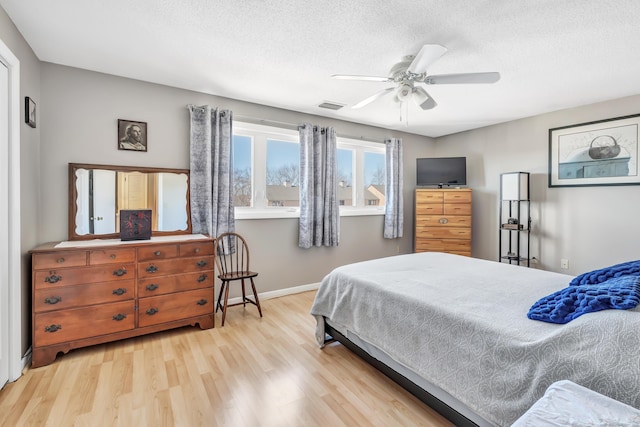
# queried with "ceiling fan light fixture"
point(404, 92)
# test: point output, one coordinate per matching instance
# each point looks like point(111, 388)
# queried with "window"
point(267, 173)
point(374, 178)
point(242, 171)
point(344, 162)
point(283, 173)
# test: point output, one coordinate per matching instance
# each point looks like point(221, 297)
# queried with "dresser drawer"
point(75, 324)
point(457, 197)
point(167, 308)
point(59, 260)
point(157, 252)
point(196, 249)
point(175, 283)
point(46, 279)
point(429, 196)
point(63, 297)
point(429, 209)
point(174, 266)
point(110, 256)
point(443, 233)
point(457, 209)
point(443, 221)
point(442, 245)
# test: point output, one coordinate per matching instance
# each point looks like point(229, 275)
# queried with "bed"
point(454, 331)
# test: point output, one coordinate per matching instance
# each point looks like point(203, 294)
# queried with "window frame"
point(259, 134)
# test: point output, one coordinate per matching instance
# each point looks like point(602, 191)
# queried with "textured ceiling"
point(552, 54)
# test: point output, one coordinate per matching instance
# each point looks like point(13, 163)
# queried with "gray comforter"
point(461, 323)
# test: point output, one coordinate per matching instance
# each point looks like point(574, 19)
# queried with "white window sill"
point(241, 213)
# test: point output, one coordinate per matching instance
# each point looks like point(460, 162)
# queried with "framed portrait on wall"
point(30, 112)
point(132, 135)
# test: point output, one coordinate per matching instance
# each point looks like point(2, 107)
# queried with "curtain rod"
point(292, 126)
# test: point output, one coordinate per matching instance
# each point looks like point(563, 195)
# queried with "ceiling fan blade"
point(447, 79)
point(373, 97)
point(423, 99)
point(427, 56)
point(365, 78)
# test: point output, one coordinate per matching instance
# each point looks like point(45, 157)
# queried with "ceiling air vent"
point(331, 105)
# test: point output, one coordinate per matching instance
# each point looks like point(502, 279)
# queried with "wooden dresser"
point(89, 295)
point(443, 221)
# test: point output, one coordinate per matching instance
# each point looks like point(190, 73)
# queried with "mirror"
point(97, 193)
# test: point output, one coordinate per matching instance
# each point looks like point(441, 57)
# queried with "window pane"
point(344, 160)
point(242, 171)
point(374, 179)
point(283, 173)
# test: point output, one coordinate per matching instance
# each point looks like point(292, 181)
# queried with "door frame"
point(14, 234)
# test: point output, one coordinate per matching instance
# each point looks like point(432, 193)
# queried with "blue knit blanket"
point(604, 274)
point(573, 301)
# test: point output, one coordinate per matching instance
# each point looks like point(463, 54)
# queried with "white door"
point(104, 207)
point(4, 225)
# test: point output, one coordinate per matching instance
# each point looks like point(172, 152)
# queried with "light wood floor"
point(251, 372)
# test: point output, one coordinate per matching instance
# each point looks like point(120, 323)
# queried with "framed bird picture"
point(135, 224)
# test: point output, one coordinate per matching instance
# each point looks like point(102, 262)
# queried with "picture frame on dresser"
point(135, 224)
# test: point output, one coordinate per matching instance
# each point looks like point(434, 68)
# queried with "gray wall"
point(29, 163)
point(80, 110)
point(590, 226)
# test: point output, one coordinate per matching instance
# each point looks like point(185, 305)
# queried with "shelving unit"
point(515, 219)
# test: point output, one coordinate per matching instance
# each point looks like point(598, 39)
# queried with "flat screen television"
point(441, 171)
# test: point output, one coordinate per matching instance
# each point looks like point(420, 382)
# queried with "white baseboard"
point(24, 362)
point(280, 292)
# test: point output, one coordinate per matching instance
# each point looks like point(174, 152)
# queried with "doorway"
point(10, 280)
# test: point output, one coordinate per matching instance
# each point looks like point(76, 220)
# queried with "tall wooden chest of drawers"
point(443, 221)
point(95, 294)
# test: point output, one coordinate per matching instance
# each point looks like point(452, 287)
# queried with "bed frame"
point(436, 404)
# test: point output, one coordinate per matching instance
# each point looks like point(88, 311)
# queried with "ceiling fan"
point(412, 70)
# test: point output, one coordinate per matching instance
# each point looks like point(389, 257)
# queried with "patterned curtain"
point(393, 210)
point(211, 177)
point(319, 215)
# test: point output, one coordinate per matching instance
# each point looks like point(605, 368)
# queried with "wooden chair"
point(232, 260)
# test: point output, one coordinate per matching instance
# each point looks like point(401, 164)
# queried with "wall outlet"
point(564, 263)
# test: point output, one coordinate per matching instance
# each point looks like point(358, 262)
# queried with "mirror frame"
point(73, 195)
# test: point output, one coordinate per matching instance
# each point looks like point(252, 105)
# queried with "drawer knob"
point(202, 278)
point(151, 269)
point(52, 300)
point(60, 260)
point(152, 287)
point(52, 279)
point(52, 328)
point(202, 263)
point(120, 316)
point(112, 256)
point(120, 272)
point(119, 291)
point(157, 253)
point(443, 220)
point(202, 301)
point(151, 311)
point(196, 250)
